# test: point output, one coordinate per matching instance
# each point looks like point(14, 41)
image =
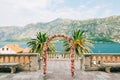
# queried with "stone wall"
point(92, 61)
point(28, 61)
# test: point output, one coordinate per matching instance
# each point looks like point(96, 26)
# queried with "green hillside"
point(101, 29)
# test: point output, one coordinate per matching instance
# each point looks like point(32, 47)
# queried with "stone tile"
point(60, 70)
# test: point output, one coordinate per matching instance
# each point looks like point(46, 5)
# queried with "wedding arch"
point(45, 48)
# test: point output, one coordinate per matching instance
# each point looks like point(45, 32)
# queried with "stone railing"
point(92, 61)
point(28, 61)
point(60, 55)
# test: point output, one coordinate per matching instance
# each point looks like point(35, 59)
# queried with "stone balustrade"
point(60, 55)
point(28, 61)
point(92, 61)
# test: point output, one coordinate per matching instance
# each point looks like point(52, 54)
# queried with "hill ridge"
point(98, 29)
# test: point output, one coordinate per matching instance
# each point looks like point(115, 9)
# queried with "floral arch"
point(71, 51)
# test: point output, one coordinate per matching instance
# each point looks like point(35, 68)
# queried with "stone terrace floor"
point(60, 70)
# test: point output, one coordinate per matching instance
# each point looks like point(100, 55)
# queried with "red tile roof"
point(15, 47)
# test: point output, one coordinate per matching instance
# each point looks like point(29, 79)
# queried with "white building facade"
point(6, 50)
point(10, 49)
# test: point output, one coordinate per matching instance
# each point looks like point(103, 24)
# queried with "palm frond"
point(36, 44)
point(80, 42)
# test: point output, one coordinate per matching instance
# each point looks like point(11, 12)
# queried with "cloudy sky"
point(22, 12)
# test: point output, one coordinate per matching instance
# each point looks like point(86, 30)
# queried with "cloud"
point(81, 12)
point(22, 12)
point(19, 12)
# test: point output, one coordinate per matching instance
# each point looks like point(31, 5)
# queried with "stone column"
point(34, 63)
point(82, 63)
point(40, 62)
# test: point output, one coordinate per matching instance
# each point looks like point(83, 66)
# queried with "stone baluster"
point(3, 59)
point(99, 59)
point(29, 63)
point(0, 59)
point(24, 59)
point(108, 59)
point(8, 58)
point(93, 60)
point(113, 59)
point(14, 57)
point(19, 59)
point(118, 58)
point(103, 59)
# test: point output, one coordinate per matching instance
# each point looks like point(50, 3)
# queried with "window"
point(2, 49)
point(7, 49)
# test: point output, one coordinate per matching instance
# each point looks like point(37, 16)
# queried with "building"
point(11, 48)
point(27, 50)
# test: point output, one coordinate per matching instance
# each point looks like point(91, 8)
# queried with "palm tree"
point(36, 45)
point(81, 44)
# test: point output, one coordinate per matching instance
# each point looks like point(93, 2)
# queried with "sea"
point(106, 47)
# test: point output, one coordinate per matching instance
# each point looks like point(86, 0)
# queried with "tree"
point(37, 44)
point(81, 44)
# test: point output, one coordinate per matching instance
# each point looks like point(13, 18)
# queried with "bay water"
point(98, 47)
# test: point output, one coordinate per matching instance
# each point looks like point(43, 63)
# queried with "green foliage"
point(37, 44)
point(102, 40)
point(81, 44)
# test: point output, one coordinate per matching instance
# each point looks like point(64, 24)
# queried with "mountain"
point(100, 29)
